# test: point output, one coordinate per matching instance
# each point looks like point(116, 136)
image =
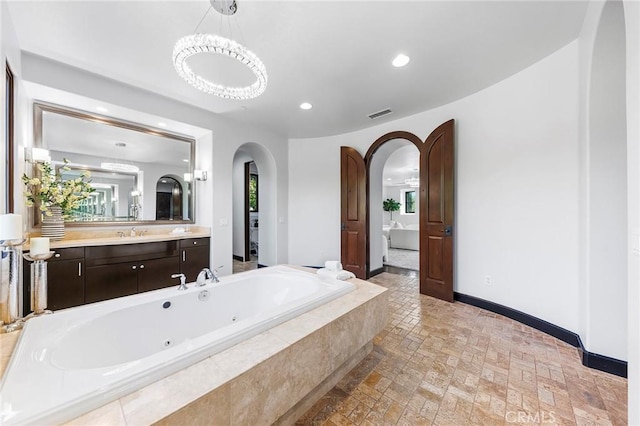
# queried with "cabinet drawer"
point(67, 253)
point(105, 255)
point(194, 242)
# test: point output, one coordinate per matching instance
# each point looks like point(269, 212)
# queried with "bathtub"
point(78, 359)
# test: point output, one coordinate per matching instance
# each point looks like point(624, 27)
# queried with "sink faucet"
point(204, 277)
point(133, 232)
point(183, 281)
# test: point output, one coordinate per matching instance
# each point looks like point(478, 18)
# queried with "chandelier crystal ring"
point(211, 43)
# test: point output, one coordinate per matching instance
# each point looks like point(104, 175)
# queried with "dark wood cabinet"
point(111, 281)
point(80, 275)
point(155, 274)
point(194, 255)
point(65, 280)
point(122, 270)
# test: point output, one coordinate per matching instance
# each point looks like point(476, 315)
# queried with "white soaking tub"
point(78, 359)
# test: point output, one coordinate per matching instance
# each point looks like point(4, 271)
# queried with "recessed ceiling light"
point(101, 109)
point(400, 61)
point(161, 124)
point(388, 178)
point(306, 105)
point(186, 160)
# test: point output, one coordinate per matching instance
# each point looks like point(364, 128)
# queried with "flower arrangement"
point(51, 190)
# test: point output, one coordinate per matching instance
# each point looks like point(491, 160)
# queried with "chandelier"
point(117, 166)
point(413, 182)
point(211, 43)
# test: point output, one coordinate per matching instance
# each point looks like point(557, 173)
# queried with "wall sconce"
point(40, 155)
point(135, 193)
point(200, 174)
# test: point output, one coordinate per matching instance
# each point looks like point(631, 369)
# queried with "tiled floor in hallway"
point(454, 364)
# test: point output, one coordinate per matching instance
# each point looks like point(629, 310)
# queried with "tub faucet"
point(204, 277)
point(183, 281)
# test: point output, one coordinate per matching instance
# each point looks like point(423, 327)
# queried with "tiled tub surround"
point(83, 237)
point(259, 380)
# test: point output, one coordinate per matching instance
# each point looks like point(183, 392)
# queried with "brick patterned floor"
point(454, 364)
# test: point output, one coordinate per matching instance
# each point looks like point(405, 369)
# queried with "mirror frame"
point(39, 107)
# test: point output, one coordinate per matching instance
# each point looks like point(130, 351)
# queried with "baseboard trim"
point(376, 272)
point(589, 359)
point(236, 257)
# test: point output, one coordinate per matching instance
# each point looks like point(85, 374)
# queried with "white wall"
point(606, 328)
point(599, 314)
point(516, 189)
point(214, 151)
point(632, 28)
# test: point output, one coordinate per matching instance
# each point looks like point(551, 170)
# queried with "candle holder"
point(9, 288)
point(38, 283)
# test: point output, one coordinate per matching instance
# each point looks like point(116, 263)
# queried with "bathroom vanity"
point(91, 270)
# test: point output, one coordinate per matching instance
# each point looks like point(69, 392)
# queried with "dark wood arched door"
point(353, 219)
point(436, 213)
point(436, 208)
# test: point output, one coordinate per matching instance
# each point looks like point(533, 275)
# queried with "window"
point(8, 139)
point(409, 196)
point(253, 193)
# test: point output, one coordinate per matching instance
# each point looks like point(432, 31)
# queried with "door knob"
point(447, 230)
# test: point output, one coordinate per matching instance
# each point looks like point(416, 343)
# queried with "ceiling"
point(335, 55)
point(403, 163)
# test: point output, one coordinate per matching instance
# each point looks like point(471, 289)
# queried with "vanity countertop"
point(110, 237)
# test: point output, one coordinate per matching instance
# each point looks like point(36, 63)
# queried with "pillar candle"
point(39, 245)
point(10, 227)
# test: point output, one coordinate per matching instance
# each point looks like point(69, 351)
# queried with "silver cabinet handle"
point(56, 255)
point(79, 269)
point(184, 255)
point(141, 266)
point(195, 242)
point(134, 267)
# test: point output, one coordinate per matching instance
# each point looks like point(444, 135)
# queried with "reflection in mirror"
point(169, 199)
point(127, 161)
point(112, 199)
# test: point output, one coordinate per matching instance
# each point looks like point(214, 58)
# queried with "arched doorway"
point(255, 218)
point(169, 199)
point(436, 199)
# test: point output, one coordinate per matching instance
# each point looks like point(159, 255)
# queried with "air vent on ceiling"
point(380, 113)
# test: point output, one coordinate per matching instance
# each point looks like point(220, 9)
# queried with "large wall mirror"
point(140, 174)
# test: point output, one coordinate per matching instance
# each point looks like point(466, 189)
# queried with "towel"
point(337, 275)
point(333, 265)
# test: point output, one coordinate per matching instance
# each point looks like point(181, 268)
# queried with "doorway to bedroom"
point(400, 209)
point(361, 237)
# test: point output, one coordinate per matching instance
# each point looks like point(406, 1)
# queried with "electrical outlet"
point(488, 280)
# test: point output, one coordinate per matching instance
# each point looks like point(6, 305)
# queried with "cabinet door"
point(111, 281)
point(156, 273)
point(65, 284)
point(65, 280)
point(192, 260)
